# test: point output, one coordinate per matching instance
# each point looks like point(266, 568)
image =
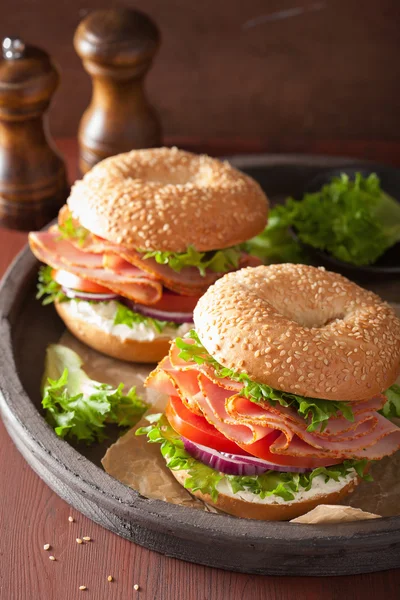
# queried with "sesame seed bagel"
point(168, 199)
point(303, 330)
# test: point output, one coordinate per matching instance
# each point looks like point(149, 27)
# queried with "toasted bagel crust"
point(303, 330)
point(111, 345)
point(268, 512)
point(168, 199)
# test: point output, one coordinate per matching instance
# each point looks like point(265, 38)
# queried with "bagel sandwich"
point(279, 395)
point(141, 238)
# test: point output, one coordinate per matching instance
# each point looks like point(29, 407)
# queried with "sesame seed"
point(46, 547)
point(110, 578)
point(82, 588)
point(136, 587)
point(79, 541)
point(71, 519)
point(52, 557)
point(87, 538)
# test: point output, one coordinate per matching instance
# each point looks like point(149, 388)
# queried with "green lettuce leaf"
point(77, 406)
point(204, 478)
point(71, 230)
point(275, 244)
point(316, 411)
point(353, 220)
point(219, 261)
point(47, 289)
point(391, 409)
point(125, 316)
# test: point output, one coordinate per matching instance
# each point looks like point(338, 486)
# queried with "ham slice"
point(178, 364)
point(183, 384)
point(369, 435)
point(123, 268)
point(51, 243)
point(243, 410)
point(188, 281)
point(212, 404)
point(387, 442)
point(134, 285)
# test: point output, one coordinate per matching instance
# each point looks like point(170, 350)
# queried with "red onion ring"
point(75, 294)
point(147, 311)
point(235, 464)
point(161, 315)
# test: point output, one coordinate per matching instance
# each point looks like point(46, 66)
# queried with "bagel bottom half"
point(268, 512)
point(111, 345)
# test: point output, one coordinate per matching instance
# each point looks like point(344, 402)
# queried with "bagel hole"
point(167, 178)
point(319, 321)
point(333, 320)
point(162, 176)
point(312, 319)
point(176, 175)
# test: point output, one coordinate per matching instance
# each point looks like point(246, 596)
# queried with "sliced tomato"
point(261, 449)
point(171, 302)
point(196, 429)
point(74, 282)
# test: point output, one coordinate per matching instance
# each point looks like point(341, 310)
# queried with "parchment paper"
point(140, 465)
point(131, 459)
point(332, 513)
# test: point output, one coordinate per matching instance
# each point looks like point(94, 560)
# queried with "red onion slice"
point(161, 315)
point(234, 464)
point(75, 294)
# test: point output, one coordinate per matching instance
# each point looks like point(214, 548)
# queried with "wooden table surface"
point(31, 515)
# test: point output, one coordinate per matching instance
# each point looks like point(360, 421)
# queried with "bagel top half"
point(168, 199)
point(303, 330)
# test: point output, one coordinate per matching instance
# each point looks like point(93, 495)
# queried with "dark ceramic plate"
point(388, 265)
point(75, 474)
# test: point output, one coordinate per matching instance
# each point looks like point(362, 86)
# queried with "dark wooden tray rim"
point(206, 538)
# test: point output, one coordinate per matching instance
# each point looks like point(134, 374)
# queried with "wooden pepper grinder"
point(33, 181)
point(117, 47)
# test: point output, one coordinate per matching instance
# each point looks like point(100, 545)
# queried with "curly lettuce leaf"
point(286, 485)
point(353, 220)
point(47, 289)
point(72, 230)
point(391, 409)
point(275, 244)
point(219, 261)
point(79, 407)
point(204, 478)
point(126, 316)
point(316, 411)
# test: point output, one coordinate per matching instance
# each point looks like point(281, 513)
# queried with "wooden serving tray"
point(26, 328)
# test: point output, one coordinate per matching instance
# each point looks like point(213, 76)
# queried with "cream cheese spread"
point(102, 314)
point(319, 488)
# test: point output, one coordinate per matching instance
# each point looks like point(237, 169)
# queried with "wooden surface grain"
point(278, 68)
point(31, 515)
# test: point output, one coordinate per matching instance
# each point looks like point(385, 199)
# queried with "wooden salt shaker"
point(117, 47)
point(33, 181)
